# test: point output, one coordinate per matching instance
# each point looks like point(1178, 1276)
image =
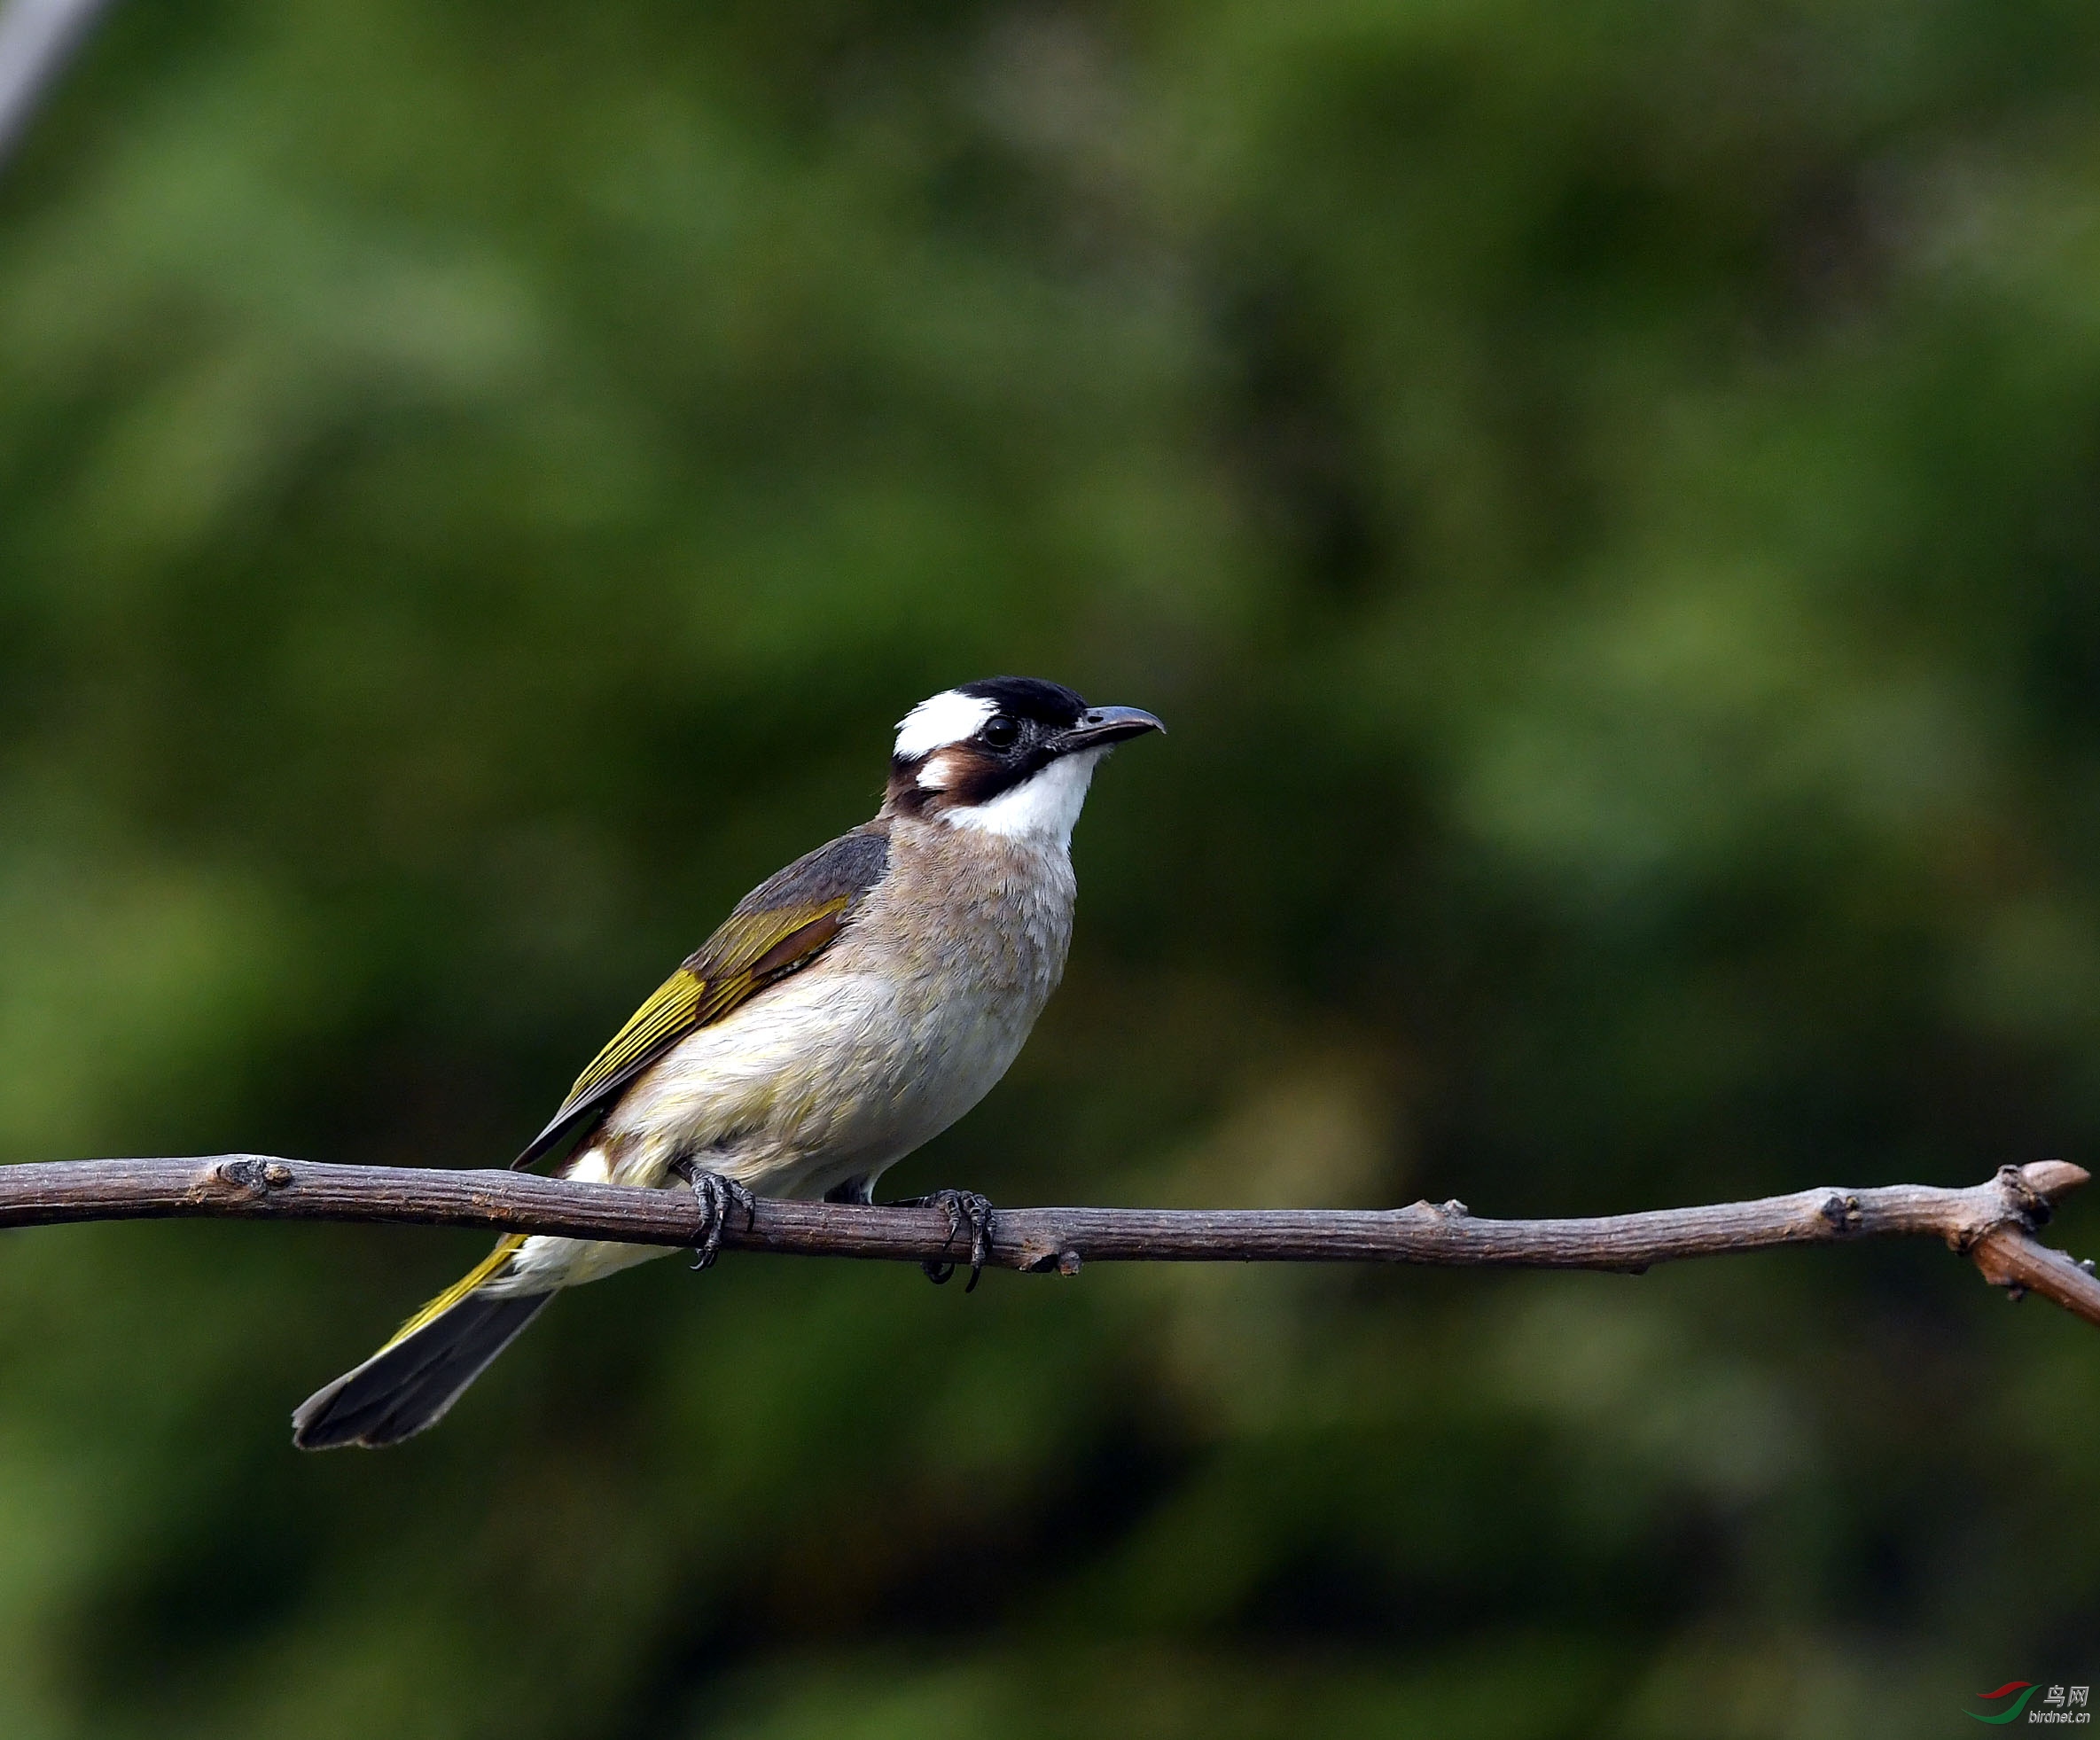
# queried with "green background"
point(1608, 499)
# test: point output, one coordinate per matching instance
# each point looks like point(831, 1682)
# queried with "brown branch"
point(1990, 1223)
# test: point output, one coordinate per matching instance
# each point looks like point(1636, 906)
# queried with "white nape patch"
point(949, 717)
point(1042, 807)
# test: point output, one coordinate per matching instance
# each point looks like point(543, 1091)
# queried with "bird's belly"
point(828, 1076)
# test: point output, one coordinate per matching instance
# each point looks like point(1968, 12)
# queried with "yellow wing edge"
point(671, 1005)
point(687, 999)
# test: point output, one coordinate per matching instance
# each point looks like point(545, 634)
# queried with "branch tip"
point(2051, 1179)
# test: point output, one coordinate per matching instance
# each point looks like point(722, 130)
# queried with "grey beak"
point(1100, 726)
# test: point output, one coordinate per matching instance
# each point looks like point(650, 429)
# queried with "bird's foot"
point(717, 1197)
point(964, 1208)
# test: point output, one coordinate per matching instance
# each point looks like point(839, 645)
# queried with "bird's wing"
point(782, 925)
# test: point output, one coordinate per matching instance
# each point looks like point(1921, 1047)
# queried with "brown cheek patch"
point(965, 775)
point(942, 771)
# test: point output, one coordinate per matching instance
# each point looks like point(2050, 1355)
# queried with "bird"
point(848, 1009)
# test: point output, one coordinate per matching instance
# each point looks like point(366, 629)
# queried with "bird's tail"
point(410, 1382)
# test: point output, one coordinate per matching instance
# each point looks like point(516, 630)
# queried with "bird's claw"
point(964, 1208)
point(717, 1197)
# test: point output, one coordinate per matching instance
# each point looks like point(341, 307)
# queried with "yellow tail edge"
point(485, 1270)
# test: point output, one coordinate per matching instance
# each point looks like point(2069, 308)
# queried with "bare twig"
point(1991, 1223)
point(36, 36)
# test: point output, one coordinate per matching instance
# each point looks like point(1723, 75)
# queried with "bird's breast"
point(895, 1030)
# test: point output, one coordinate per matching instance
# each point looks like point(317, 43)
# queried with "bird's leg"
point(964, 1208)
point(716, 1196)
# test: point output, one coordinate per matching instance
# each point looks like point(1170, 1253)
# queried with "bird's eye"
point(1000, 731)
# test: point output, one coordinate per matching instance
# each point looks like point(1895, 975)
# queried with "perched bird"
point(850, 1009)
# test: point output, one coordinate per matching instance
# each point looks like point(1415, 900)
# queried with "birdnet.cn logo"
point(2017, 1698)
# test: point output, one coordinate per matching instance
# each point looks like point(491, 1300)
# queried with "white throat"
point(1043, 807)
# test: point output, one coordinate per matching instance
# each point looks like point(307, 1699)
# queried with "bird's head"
point(1011, 755)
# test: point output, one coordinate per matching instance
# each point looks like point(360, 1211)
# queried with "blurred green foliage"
point(1605, 498)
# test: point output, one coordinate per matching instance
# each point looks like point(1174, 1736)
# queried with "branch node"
point(1452, 1209)
point(249, 1176)
point(2014, 1204)
point(2029, 1206)
point(1040, 1255)
point(1843, 1214)
point(1068, 1263)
